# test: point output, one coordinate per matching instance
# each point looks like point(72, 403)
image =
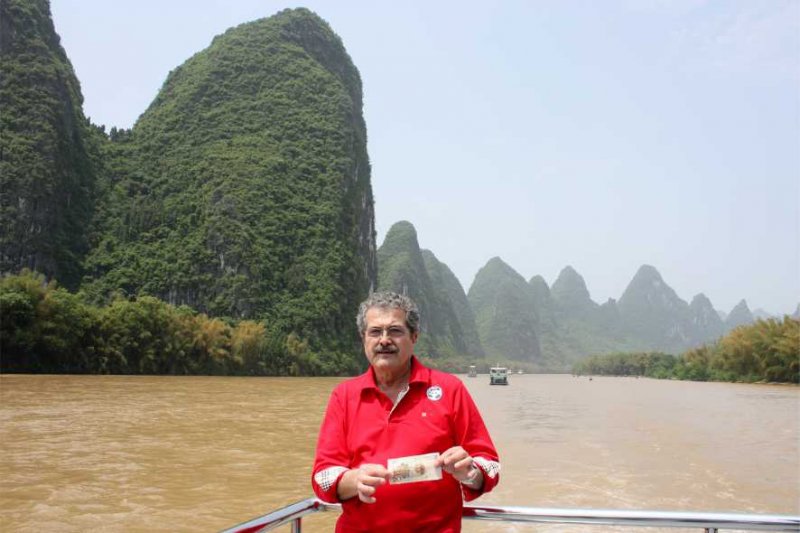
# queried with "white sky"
point(601, 135)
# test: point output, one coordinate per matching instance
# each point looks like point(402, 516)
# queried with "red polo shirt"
point(362, 426)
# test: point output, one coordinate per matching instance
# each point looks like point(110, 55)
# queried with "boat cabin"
point(498, 375)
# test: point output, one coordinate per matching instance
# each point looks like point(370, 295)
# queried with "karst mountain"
point(244, 192)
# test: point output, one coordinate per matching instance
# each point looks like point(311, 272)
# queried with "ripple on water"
point(120, 453)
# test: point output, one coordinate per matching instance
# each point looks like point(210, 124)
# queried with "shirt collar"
point(419, 374)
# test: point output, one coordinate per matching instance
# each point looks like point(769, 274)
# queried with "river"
point(144, 453)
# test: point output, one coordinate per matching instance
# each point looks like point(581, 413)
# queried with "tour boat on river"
point(498, 375)
point(708, 522)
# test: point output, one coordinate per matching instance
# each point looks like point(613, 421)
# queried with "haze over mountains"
point(244, 191)
point(502, 316)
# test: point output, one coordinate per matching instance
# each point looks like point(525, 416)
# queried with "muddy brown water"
point(141, 453)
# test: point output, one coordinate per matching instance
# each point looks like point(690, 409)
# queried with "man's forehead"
point(385, 315)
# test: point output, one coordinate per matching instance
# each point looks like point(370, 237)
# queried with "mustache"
point(386, 349)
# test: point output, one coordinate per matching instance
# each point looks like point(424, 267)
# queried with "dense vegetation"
point(649, 364)
point(48, 153)
point(767, 350)
point(571, 325)
point(505, 313)
point(231, 230)
point(46, 328)
point(646, 302)
point(404, 268)
point(450, 291)
point(242, 192)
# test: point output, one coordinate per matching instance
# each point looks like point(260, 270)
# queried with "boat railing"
point(709, 522)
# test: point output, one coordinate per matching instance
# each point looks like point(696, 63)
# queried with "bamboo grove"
point(47, 329)
point(765, 351)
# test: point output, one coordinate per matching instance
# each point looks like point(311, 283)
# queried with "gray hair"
point(389, 300)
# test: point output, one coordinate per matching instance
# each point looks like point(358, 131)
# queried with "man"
point(396, 410)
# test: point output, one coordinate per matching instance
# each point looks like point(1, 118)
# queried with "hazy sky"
point(602, 135)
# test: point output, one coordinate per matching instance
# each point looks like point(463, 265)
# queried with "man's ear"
point(414, 337)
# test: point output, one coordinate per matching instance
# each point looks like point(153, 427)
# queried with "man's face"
point(388, 343)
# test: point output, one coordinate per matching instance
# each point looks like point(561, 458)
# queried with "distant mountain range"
point(244, 191)
point(504, 317)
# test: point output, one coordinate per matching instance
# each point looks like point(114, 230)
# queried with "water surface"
point(143, 453)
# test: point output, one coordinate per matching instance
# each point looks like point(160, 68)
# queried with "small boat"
point(473, 373)
point(519, 371)
point(498, 375)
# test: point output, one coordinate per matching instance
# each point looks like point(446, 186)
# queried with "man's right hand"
point(362, 481)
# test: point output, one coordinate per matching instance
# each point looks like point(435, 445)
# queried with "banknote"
point(414, 468)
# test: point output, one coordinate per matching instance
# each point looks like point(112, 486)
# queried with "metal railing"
point(710, 522)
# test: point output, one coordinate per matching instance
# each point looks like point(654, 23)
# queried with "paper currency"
point(414, 468)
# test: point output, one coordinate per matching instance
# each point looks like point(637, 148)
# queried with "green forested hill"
point(450, 290)
point(231, 230)
point(244, 189)
point(243, 192)
point(547, 326)
point(402, 268)
point(504, 308)
point(571, 325)
point(582, 326)
point(653, 314)
point(47, 149)
point(707, 323)
point(570, 294)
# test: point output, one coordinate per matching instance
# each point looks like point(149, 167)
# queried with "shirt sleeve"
point(473, 436)
point(331, 460)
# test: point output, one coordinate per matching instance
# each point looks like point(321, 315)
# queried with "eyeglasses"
point(393, 332)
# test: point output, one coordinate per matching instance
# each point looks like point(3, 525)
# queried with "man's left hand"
point(458, 463)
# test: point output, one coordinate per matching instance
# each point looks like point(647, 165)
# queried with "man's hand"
point(362, 481)
point(458, 463)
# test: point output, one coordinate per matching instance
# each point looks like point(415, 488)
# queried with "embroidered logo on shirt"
point(435, 393)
